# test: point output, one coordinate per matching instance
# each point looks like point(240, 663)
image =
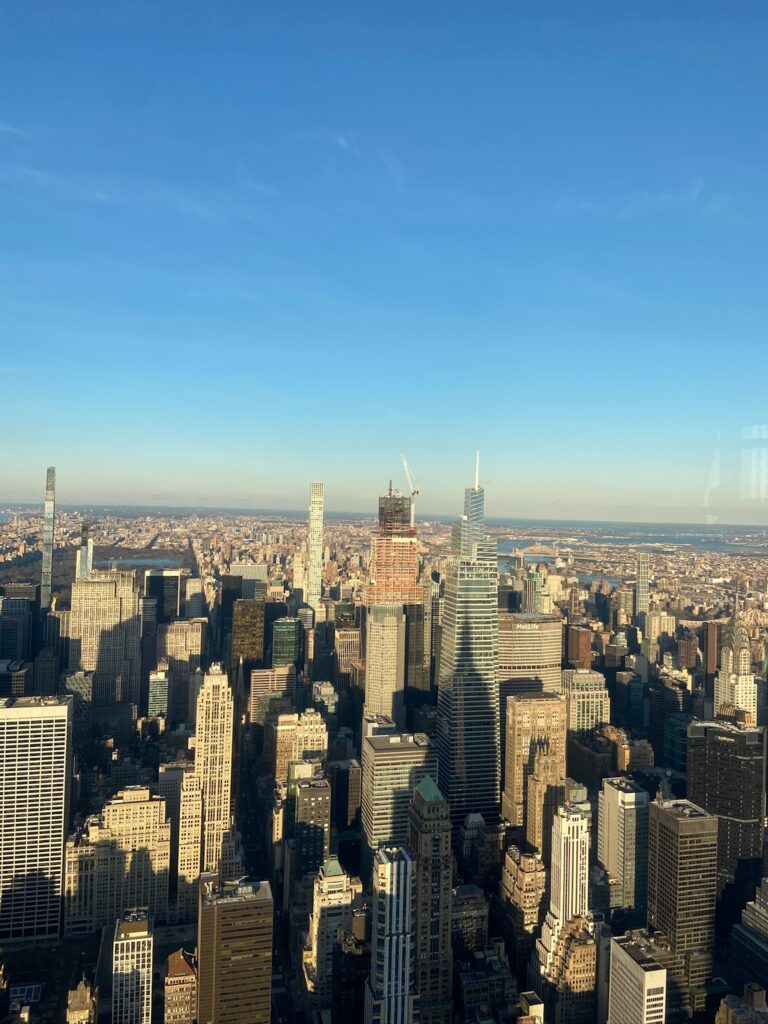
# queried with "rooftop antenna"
point(414, 489)
point(477, 471)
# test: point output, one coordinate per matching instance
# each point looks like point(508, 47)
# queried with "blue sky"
point(243, 246)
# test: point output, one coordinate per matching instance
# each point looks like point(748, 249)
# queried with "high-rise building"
point(268, 684)
point(748, 941)
point(247, 635)
point(587, 701)
point(682, 884)
point(429, 844)
point(391, 993)
point(569, 897)
point(392, 765)
point(105, 635)
point(546, 791)
point(530, 653)
point(158, 697)
point(188, 859)
point(642, 585)
point(35, 782)
point(394, 564)
point(181, 645)
point(234, 952)
point(213, 763)
point(532, 585)
point(49, 516)
point(84, 557)
point(180, 1003)
point(315, 546)
point(726, 777)
point(735, 682)
point(522, 890)
point(291, 737)
point(622, 842)
point(118, 859)
point(468, 696)
point(637, 990)
point(165, 586)
point(532, 723)
point(333, 897)
point(287, 635)
point(132, 969)
point(385, 662)
point(579, 647)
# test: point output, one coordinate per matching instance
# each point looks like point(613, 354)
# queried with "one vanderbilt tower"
point(468, 700)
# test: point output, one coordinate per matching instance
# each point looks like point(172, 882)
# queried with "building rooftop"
point(240, 891)
point(180, 965)
point(429, 790)
point(683, 809)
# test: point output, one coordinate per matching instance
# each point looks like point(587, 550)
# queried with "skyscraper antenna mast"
point(477, 471)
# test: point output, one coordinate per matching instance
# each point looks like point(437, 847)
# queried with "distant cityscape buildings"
point(379, 769)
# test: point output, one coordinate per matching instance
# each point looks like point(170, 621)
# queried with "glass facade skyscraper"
point(49, 515)
point(468, 697)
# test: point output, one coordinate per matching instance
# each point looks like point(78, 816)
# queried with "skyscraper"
point(622, 842)
point(132, 969)
point(105, 635)
point(391, 993)
point(468, 696)
point(530, 652)
point(334, 894)
point(532, 723)
point(429, 844)
point(385, 662)
point(637, 990)
point(182, 645)
point(682, 883)
point(392, 765)
point(165, 586)
point(247, 635)
point(642, 586)
point(213, 763)
point(587, 701)
point(726, 777)
point(84, 558)
point(735, 682)
point(49, 516)
point(569, 890)
point(315, 546)
point(234, 952)
point(118, 859)
point(287, 635)
point(35, 781)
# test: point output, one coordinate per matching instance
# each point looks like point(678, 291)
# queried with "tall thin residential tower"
point(315, 545)
point(468, 696)
point(49, 516)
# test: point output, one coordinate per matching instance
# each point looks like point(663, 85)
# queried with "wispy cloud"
point(337, 139)
point(693, 198)
point(11, 129)
point(241, 199)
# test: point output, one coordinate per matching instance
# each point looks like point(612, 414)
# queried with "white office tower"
point(642, 586)
point(385, 662)
point(35, 779)
point(637, 990)
point(314, 575)
point(132, 969)
point(334, 894)
point(569, 889)
point(735, 682)
point(390, 996)
point(213, 763)
point(468, 696)
point(622, 842)
point(393, 764)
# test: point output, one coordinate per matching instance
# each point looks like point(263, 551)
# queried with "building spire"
point(477, 471)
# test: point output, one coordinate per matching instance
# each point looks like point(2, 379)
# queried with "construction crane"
point(414, 488)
